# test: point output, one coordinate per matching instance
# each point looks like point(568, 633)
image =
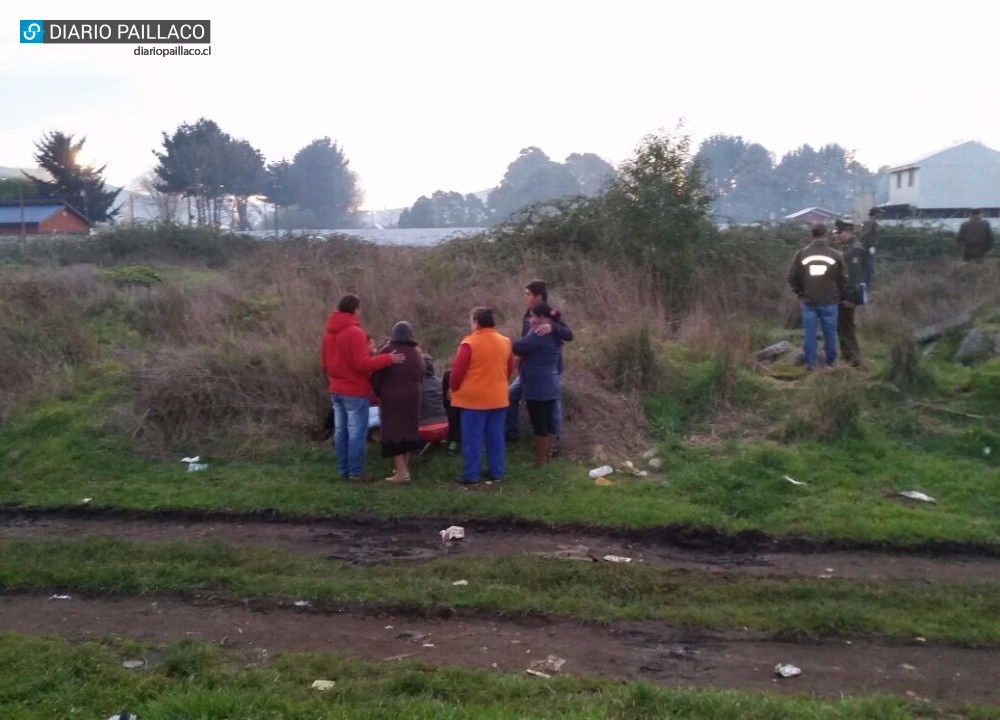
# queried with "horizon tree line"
point(210, 168)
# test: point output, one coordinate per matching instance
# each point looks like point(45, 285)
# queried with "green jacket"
point(975, 233)
point(869, 234)
point(854, 261)
point(817, 274)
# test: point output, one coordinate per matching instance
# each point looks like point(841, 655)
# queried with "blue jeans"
point(513, 422)
point(812, 317)
point(477, 424)
point(350, 433)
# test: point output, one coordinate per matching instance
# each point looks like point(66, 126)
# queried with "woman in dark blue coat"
point(539, 369)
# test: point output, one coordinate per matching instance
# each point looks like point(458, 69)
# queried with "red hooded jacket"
point(346, 358)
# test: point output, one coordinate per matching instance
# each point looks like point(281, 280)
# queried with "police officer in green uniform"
point(855, 261)
point(975, 237)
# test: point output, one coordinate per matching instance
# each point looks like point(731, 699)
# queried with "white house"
point(946, 184)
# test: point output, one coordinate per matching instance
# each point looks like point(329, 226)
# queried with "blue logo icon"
point(32, 31)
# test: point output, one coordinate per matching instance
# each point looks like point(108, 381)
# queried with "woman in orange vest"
point(480, 376)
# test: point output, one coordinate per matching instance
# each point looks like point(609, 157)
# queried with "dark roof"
point(35, 211)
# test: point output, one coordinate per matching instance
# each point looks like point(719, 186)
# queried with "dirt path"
point(653, 652)
point(415, 541)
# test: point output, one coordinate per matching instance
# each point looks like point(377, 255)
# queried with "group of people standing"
point(830, 285)
point(479, 396)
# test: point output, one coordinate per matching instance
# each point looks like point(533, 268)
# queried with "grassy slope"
point(66, 449)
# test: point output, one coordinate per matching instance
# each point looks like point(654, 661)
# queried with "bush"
point(904, 369)
point(215, 396)
point(629, 361)
point(830, 405)
point(41, 333)
point(133, 276)
point(161, 243)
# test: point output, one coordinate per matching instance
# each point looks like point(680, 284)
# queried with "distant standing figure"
point(480, 373)
point(398, 388)
point(854, 262)
point(818, 279)
point(975, 237)
point(539, 372)
point(869, 239)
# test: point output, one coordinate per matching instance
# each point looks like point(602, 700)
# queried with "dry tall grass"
point(231, 359)
point(42, 329)
point(917, 294)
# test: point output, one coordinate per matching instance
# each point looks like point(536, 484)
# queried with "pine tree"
point(81, 186)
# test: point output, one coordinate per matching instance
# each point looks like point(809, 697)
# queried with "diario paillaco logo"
point(32, 31)
point(184, 32)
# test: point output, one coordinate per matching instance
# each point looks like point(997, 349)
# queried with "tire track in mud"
point(363, 542)
point(650, 651)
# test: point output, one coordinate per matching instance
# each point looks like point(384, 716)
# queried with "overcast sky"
point(442, 95)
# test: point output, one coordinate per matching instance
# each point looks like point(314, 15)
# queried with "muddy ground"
point(651, 651)
point(416, 541)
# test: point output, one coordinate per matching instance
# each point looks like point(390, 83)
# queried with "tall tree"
point(245, 177)
point(202, 162)
point(325, 185)
point(531, 178)
point(192, 164)
point(829, 177)
point(657, 209)
point(444, 209)
point(281, 188)
point(421, 215)
point(591, 171)
point(81, 186)
point(740, 178)
point(475, 211)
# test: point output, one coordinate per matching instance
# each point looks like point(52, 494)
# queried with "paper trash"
point(916, 495)
point(786, 670)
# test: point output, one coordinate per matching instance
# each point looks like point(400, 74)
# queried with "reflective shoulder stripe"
point(818, 258)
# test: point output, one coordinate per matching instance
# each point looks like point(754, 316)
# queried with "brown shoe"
point(362, 478)
point(543, 448)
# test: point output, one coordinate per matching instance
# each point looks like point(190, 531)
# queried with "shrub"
point(629, 361)
point(41, 333)
point(133, 276)
point(210, 395)
point(830, 405)
point(904, 369)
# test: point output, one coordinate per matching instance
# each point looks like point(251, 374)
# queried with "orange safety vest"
point(484, 386)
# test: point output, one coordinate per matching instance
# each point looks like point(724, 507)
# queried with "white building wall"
point(964, 176)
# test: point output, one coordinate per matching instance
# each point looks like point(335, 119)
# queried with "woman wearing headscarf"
point(398, 388)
